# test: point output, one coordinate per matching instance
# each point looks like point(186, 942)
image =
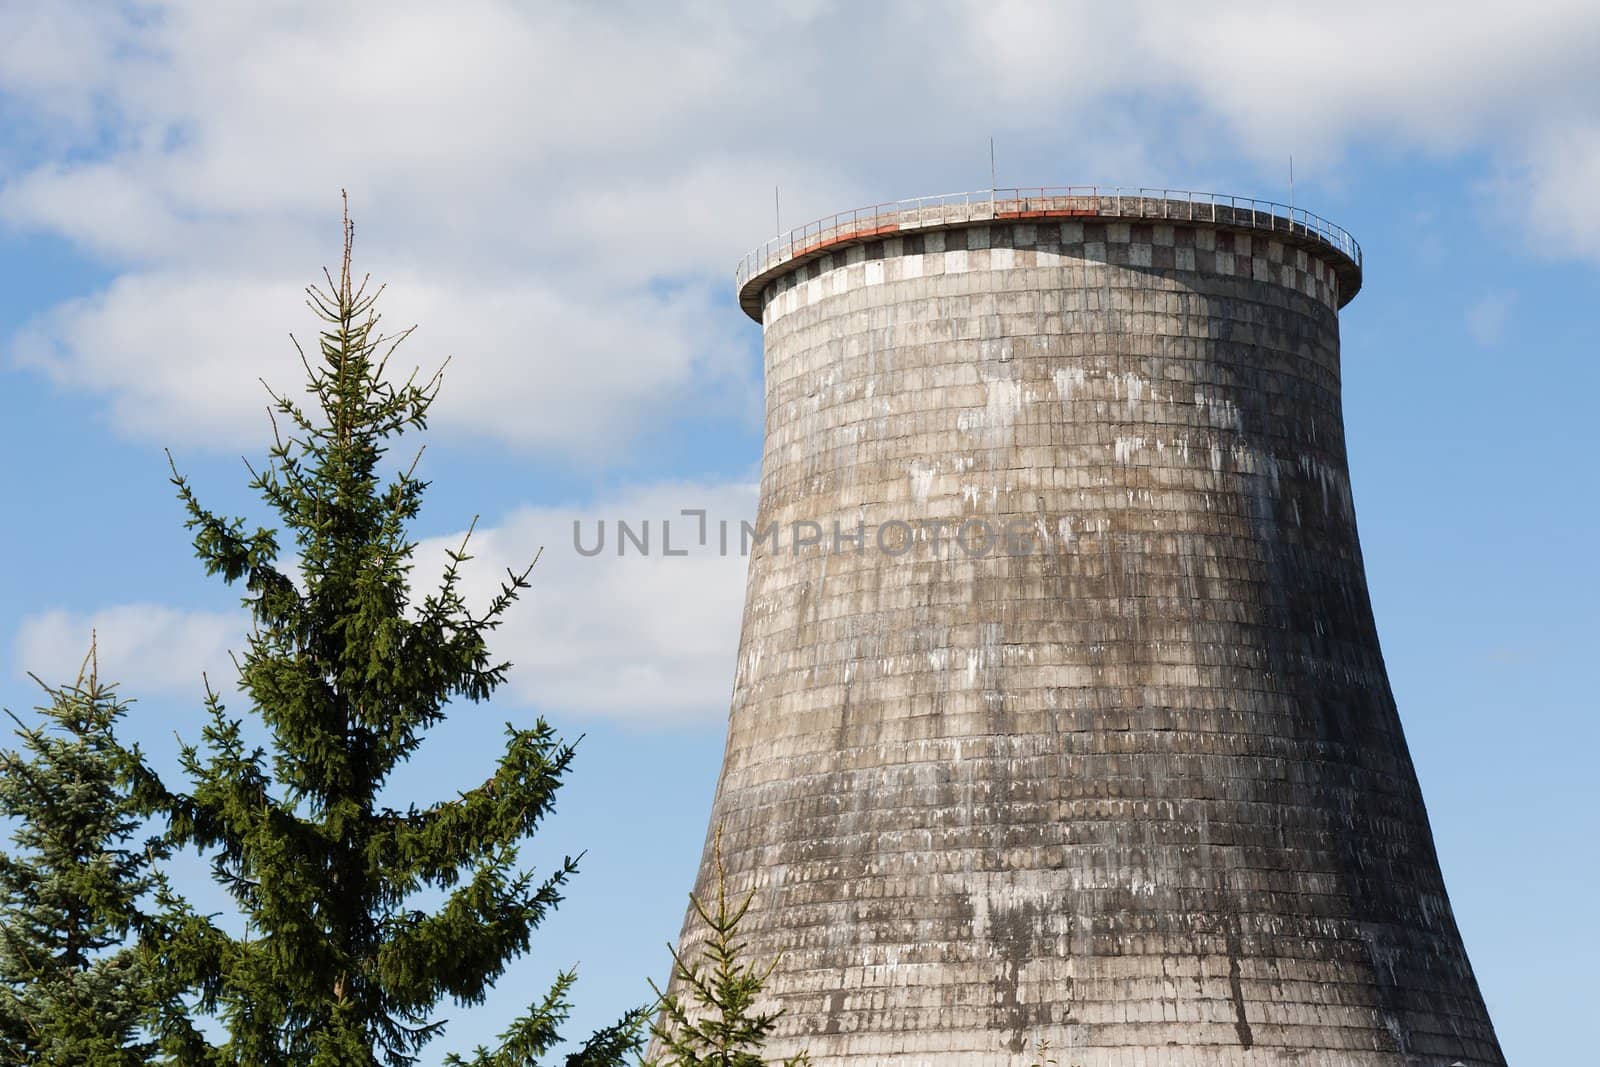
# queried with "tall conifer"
point(75, 991)
point(342, 963)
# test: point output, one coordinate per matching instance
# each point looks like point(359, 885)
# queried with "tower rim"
point(1295, 226)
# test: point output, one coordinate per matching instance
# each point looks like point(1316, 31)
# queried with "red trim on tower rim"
point(852, 237)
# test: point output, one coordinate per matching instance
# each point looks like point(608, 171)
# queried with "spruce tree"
point(345, 672)
point(711, 1020)
point(74, 987)
point(1041, 1055)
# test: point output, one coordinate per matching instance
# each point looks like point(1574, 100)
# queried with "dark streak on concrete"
point(1241, 1025)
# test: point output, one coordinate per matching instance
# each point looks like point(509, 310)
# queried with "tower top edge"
point(1292, 225)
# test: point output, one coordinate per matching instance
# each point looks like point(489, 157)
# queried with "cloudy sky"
point(557, 194)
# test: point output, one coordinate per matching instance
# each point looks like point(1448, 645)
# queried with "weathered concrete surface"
point(1141, 790)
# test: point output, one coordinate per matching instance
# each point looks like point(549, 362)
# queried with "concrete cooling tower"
point(1059, 713)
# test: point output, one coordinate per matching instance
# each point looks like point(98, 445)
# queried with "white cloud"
point(562, 191)
point(1487, 318)
point(46, 53)
point(643, 638)
point(1557, 181)
point(146, 649)
point(180, 356)
point(637, 638)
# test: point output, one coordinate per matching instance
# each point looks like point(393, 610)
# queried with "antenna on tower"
point(992, 182)
point(1291, 190)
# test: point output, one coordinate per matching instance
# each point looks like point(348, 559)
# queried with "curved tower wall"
point(1131, 780)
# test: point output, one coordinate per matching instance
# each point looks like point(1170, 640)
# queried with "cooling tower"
point(1059, 713)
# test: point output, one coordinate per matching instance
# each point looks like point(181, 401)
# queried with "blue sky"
point(558, 199)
